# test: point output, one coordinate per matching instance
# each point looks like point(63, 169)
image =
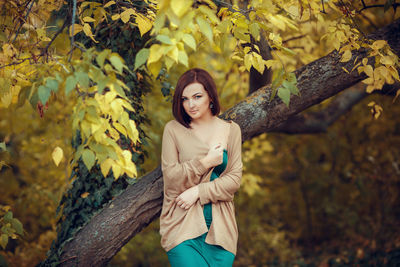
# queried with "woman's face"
point(195, 101)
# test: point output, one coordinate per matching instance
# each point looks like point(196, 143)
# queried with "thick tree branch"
point(138, 205)
point(318, 122)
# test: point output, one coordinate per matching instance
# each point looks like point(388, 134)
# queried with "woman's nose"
point(191, 103)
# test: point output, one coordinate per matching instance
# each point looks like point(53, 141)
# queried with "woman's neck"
point(203, 121)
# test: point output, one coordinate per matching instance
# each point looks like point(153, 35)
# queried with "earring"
point(211, 105)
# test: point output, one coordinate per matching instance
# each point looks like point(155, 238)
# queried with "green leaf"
point(141, 57)
point(102, 57)
point(82, 78)
point(277, 82)
point(209, 13)
point(388, 4)
point(4, 240)
point(117, 63)
point(88, 158)
point(52, 84)
point(17, 225)
point(164, 39)
point(292, 78)
point(284, 94)
point(101, 84)
point(3, 146)
point(8, 216)
point(159, 22)
point(288, 51)
point(44, 94)
point(70, 84)
point(241, 33)
point(205, 28)
point(255, 30)
point(292, 87)
point(189, 40)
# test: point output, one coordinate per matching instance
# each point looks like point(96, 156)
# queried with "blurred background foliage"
point(328, 199)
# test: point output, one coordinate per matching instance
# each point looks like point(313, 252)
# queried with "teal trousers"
point(197, 253)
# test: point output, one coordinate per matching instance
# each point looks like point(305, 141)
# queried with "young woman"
point(202, 168)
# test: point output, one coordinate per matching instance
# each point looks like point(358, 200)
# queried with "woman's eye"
point(198, 96)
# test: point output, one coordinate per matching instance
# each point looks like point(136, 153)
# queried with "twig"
point(67, 259)
point(323, 7)
point(72, 28)
point(372, 6)
point(44, 51)
point(23, 22)
point(56, 34)
point(294, 38)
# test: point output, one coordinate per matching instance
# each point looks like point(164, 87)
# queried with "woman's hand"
point(186, 199)
point(214, 156)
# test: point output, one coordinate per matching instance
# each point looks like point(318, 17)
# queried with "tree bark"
point(106, 233)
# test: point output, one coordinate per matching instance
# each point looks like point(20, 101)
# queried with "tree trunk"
point(110, 229)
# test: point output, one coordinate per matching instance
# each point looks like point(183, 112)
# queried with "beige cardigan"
point(182, 169)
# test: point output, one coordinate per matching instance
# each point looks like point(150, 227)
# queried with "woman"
point(202, 168)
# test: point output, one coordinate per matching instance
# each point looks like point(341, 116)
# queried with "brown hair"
point(195, 75)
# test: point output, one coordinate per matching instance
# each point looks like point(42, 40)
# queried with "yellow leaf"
point(180, 6)
point(105, 166)
point(88, 19)
point(346, 56)
point(114, 134)
point(84, 195)
point(205, 28)
point(384, 72)
point(394, 73)
point(369, 80)
point(116, 170)
point(57, 155)
point(174, 54)
point(271, 62)
point(378, 44)
point(343, 68)
point(387, 60)
point(370, 88)
point(154, 68)
point(134, 134)
point(87, 30)
point(126, 15)
point(109, 4)
point(155, 54)
point(119, 128)
point(369, 70)
point(144, 24)
point(247, 61)
point(77, 28)
point(115, 16)
point(277, 22)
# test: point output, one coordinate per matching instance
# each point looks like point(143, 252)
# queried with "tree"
point(179, 28)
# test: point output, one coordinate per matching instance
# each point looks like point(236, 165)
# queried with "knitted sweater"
point(182, 169)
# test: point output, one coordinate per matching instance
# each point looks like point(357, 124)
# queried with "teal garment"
point(196, 252)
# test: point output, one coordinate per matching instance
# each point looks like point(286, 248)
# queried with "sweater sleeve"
point(174, 172)
point(224, 187)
